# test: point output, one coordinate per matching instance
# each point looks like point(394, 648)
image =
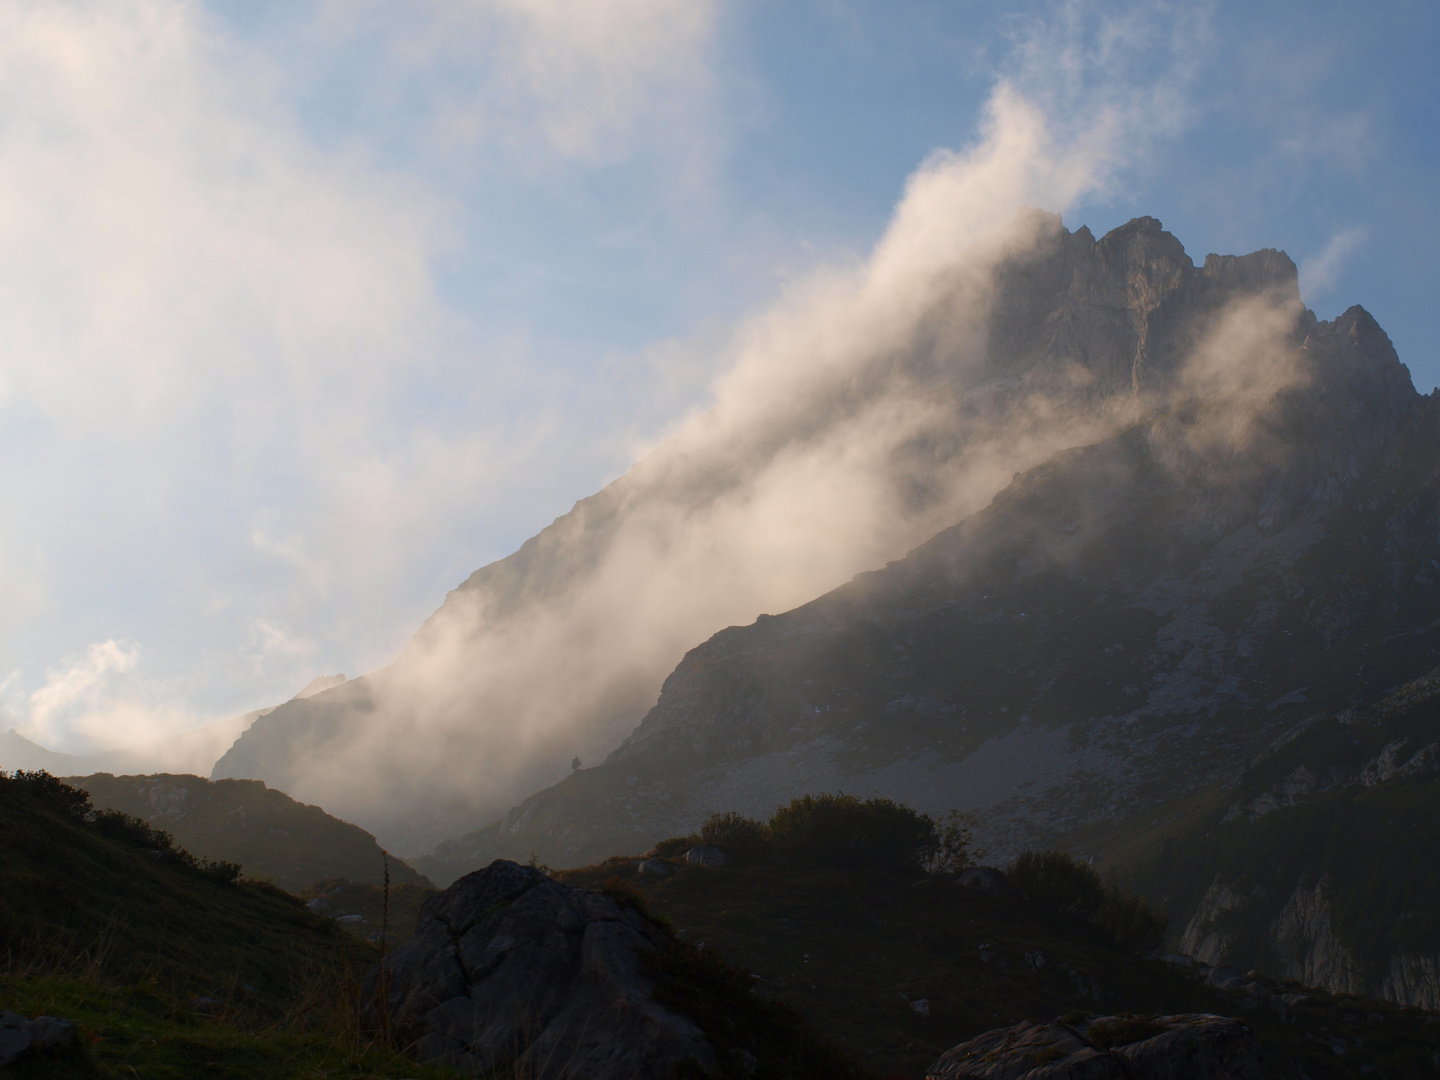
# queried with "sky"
point(311, 308)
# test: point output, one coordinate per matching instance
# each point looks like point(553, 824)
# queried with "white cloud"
point(80, 697)
point(1320, 273)
point(588, 80)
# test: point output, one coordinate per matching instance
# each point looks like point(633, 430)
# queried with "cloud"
point(583, 80)
point(852, 420)
point(81, 696)
point(1320, 273)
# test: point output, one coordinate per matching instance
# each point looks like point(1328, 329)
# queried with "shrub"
point(1057, 882)
point(743, 839)
point(55, 793)
point(75, 803)
point(840, 830)
point(1130, 921)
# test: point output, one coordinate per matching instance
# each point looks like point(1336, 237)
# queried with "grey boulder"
point(1191, 1046)
point(509, 968)
point(19, 1036)
point(705, 855)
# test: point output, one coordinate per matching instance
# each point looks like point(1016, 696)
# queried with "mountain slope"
point(846, 435)
point(269, 834)
point(1133, 620)
point(1321, 862)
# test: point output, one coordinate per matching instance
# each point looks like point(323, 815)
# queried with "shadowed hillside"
point(268, 833)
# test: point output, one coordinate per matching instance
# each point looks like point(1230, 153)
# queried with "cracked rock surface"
point(507, 965)
point(1191, 1046)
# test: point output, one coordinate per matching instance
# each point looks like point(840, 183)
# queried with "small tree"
point(954, 852)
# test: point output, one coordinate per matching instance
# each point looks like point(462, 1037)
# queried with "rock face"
point(1063, 338)
point(508, 965)
point(1320, 860)
point(1134, 620)
point(1185, 1047)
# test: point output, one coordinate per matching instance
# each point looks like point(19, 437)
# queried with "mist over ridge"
point(860, 419)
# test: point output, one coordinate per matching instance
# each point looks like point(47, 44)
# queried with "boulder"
point(705, 855)
point(1197, 1046)
point(1027, 1052)
point(20, 1036)
point(14, 1037)
point(510, 969)
point(1191, 1046)
point(653, 867)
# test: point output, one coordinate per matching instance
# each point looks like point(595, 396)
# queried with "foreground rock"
point(1194, 1046)
point(20, 1036)
point(508, 965)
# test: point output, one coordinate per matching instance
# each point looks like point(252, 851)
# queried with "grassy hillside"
point(171, 966)
point(269, 834)
point(853, 946)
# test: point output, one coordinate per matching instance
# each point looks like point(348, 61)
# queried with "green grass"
point(170, 971)
point(141, 1031)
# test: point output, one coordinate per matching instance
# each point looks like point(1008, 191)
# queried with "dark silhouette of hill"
point(268, 833)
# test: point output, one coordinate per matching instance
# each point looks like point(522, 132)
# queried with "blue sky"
point(312, 308)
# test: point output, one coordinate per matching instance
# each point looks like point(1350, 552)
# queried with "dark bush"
point(840, 830)
point(1057, 882)
point(134, 831)
point(1060, 883)
point(743, 839)
point(53, 792)
point(75, 803)
point(1130, 921)
point(628, 894)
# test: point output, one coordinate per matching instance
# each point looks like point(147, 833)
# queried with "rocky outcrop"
point(1303, 936)
point(1414, 981)
point(1301, 944)
point(1193, 1046)
point(1205, 937)
point(509, 966)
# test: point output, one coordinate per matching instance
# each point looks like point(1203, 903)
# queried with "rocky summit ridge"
point(1133, 619)
point(1077, 335)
